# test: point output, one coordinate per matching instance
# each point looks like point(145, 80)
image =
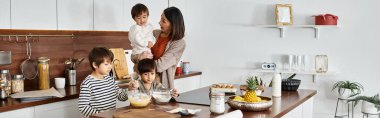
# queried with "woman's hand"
point(145, 54)
point(133, 85)
point(175, 93)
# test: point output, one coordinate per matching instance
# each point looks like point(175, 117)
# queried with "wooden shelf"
point(307, 72)
point(284, 27)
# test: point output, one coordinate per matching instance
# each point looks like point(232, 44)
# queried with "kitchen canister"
point(43, 73)
point(217, 103)
point(17, 83)
point(321, 63)
point(186, 67)
point(71, 76)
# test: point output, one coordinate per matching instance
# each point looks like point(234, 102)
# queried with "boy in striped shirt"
point(98, 92)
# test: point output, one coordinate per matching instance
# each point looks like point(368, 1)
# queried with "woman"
point(169, 45)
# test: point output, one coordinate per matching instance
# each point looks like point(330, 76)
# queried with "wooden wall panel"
point(58, 49)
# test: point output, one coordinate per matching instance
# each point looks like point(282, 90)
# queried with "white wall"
point(224, 45)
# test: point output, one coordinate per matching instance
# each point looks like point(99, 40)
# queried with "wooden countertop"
point(8, 104)
point(71, 92)
point(196, 100)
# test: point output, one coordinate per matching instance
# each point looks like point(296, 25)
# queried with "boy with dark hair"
point(98, 91)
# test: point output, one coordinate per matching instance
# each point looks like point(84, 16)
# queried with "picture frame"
point(284, 14)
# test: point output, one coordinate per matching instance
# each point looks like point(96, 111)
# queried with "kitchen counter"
point(197, 99)
point(71, 92)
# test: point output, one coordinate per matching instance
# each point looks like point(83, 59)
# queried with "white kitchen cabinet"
point(155, 7)
point(187, 83)
point(305, 110)
point(63, 109)
point(19, 113)
point(34, 14)
point(5, 14)
point(75, 14)
point(109, 15)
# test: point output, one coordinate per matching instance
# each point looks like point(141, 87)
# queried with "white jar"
point(217, 103)
point(276, 85)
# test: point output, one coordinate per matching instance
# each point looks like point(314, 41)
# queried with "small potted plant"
point(260, 86)
point(290, 84)
point(347, 89)
point(370, 105)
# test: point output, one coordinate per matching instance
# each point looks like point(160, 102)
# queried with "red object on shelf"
point(326, 19)
point(178, 71)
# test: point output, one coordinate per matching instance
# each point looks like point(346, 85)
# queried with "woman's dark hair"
point(146, 65)
point(99, 55)
point(174, 15)
point(138, 9)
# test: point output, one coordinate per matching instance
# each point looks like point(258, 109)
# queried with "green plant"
point(259, 81)
point(355, 87)
point(374, 99)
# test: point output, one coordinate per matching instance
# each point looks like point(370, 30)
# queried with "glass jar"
point(217, 103)
point(43, 73)
point(17, 83)
point(321, 63)
point(5, 83)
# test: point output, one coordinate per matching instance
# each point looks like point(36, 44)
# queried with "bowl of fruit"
point(250, 101)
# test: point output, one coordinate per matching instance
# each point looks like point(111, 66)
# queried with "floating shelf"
point(309, 72)
point(284, 27)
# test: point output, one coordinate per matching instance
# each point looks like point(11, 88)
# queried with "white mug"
point(59, 82)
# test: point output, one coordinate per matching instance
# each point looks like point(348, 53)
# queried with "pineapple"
point(250, 95)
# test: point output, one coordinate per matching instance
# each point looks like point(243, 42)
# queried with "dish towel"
point(233, 114)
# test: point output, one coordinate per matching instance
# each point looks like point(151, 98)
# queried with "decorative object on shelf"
point(326, 19)
point(284, 14)
point(348, 89)
point(276, 84)
point(321, 63)
point(186, 67)
point(290, 84)
point(268, 66)
point(370, 105)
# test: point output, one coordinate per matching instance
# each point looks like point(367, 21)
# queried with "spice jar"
point(17, 83)
point(217, 103)
point(43, 73)
point(5, 83)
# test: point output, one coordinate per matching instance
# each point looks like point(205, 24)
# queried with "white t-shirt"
point(139, 37)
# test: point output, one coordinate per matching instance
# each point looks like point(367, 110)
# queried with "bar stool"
point(348, 108)
point(367, 114)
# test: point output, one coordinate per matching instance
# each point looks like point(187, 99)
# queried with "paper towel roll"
point(233, 114)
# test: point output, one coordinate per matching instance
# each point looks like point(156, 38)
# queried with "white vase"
point(369, 108)
point(276, 85)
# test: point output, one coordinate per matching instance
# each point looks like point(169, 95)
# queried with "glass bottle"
point(43, 73)
point(217, 103)
point(321, 63)
point(17, 83)
point(5, 83)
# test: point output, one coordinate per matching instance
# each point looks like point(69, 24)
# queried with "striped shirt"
point(99, 95)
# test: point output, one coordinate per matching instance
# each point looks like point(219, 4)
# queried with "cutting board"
point(120, 63)
point(144, 113)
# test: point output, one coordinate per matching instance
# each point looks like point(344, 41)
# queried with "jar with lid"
point(17, 83)
point(5, 83)
point(217, 103)
point(321, 63)
point(43, 73)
